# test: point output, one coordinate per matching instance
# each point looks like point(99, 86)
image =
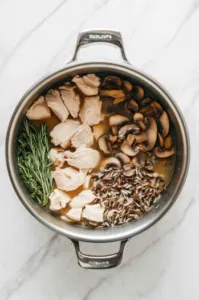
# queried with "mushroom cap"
point(123, 158)
point(138, 117)
point(133, 105)
point(151, 133)
point(124, 130)
point(157, 107)
point(112, 81)
point(164, 121)
point(112, 138)
point(147, 110)
point(128, 150)
point(151, 109)
point(168, 142)
point(114, 130)
point(146, 101)
point(105, 144)
point(164, 153)
point(112, 93)
point(119, 100)
point(130, 139)
point(128, 85)
point(111, 161)
point(161, 140)
point(141, 137)
point(139, 91)
point(116, 120)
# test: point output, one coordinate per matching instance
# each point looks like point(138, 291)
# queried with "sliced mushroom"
point(163, 153)
point(123, 158)
point(114, 130)
point(128, 86)
point(137, 162)
point(164, 121)
point(153, 108)
point(112, 138)
point(161, 140)
point(128, 150)
point(146, 101)
point(147, 110)
point(143, 148)
point(142, 137)
point(112, 93)
point(112, 81)
point(157, 107)
point(105, 144)
point(116, 120)
point(98, 130)
point(138, 116)
point(107, 106)
point(168, 142)
point(150, 135)
point(111, 162)
point(132, 105)
point(124, 130)
point(139, 119)
point(130, 139)
point(119, 100)
point(139, 91)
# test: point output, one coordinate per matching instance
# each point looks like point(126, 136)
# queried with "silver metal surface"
point(99, 262)
point(99, 36)
point(117, 233)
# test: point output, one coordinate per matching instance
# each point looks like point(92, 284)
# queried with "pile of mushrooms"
point(146, 129)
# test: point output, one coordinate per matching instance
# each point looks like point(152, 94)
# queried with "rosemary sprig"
point(33, 162)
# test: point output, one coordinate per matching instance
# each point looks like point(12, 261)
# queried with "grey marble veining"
point(160, 37)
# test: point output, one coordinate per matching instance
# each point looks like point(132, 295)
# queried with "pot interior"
point(118, 232)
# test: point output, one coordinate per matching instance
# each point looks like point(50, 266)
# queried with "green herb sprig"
point(33, 161)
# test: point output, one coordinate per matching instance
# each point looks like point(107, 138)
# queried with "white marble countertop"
point(161, 39)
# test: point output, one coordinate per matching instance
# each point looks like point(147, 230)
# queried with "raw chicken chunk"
point(90, 112)
point(85, 197)
point(94, 213)
point(82, 137)
point(54, 101)
point(87, 182)
point(58, 200)
point(75, 214)
point(87, 84)
point(62, 133)
point(69, 179)
point(57, 157)
point(71, 99)
point(39, 110)
point(83, 158)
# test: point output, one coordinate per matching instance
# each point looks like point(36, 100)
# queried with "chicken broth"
point(111, 150)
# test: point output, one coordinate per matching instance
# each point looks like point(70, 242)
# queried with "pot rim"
point(80, 233)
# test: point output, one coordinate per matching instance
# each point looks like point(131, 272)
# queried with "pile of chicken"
point(131, 132)
point(72, 168)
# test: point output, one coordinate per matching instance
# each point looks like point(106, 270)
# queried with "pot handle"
point(99, 36)
point(99, 262)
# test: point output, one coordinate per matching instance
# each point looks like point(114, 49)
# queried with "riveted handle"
point(99, 262)
point(100, 36)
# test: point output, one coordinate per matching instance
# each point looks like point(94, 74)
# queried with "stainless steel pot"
point(119, 233)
